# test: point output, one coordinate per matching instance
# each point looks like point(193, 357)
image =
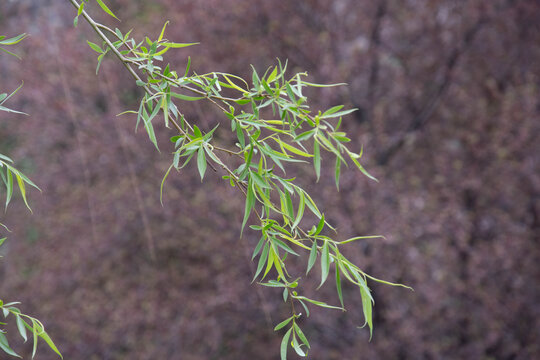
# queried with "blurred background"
point(449, 118)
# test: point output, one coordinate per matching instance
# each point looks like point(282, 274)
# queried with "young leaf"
point(301, 207)
point(301, 335)
point(9, 186)
point(297, 347)
point(283, 323)
point(320, 226)
point(49, 342)
point(258, 247)
point(367, 309)
point(284, 344)
point(317, 159)
point(95, 47)
point(201, 162)
point(325, 263)
point(332, 110)
point(4, 345)
point(106, 9)
point(292, 148)
point(338, 284)
point(250, 203)
point(337, 171)
point(163, 31)
point(163, 184)
point(272, 76)
point(22, 189)
point(312, 256)
point(21, 328)
point(262, 261)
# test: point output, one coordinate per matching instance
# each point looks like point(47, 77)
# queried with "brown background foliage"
point(449, 112)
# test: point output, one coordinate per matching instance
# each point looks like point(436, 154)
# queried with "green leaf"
point(305, 135)
point(178, 45)
point(317, 159)
point(95, 47)
point(148, 125)
point(337, 114)
point(284, 344)
point(197, 132)
point(301, 207)
point(283, 323)
point(262, 261)
point(9, 186)
point(337, 171)
point(163, 184)
point(361, 168)
point(163, 31)
point(312, 206)
point(250, 203)
point(318, 303)
point(35, 335)
point(338, 284)
point(312, 256)
point(361, 238)
point(320, 85)
point(201, 162)
point(332, 110)
point(367, 308)
point(100, 59)
point(49, 342)
point(14, 40)
point(284, 246)
point(258, 247)
point(22, 189)
point(188, 66)
point(21, 327)
point(270, 262)
point(290, 209)
point(10, 53)
point(186, 97)
point(325, 263)
point(106, 9)
point(292, 148)
point(297, 347)
point(3, 108)
point(259, 180)
point(272, 76)
point(4, 345)
point(277, 262)
point(301, 335)
point(81, 8)
point(320, 226)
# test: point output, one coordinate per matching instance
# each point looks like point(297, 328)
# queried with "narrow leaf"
point(317, 159)
point(284, 344)
point(201, 162)
point(325, 263)
point(312, 256)
point(21, 328)
point(49, 342)
point(95, 47)
point(262, 261)
point(106, 9)
point(4, 345)
point(283, 323)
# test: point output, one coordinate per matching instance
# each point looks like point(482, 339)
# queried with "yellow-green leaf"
point(106, 9)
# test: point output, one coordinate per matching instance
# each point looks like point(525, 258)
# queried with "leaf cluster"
point(14, 179)
point(274, 127)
